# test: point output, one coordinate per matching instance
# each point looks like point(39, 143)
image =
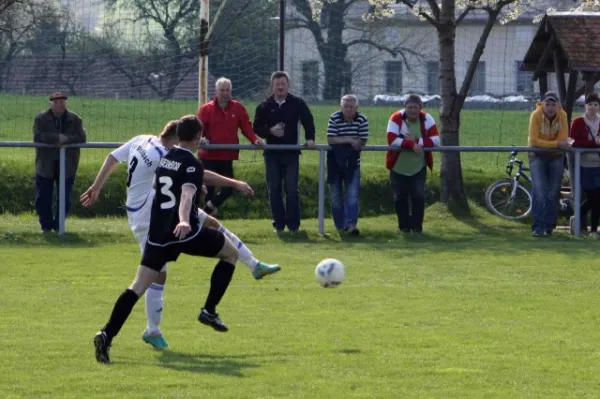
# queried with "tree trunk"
point(334, 52)
point(174, 65)
point(334, 79)
point(451, 180)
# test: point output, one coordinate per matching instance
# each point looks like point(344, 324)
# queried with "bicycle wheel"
point(499, 202)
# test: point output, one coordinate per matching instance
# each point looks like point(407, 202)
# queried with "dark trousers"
point(409, 199)
point(44, 190)
point(224, 168)
point(282, 170)
point(591, 203)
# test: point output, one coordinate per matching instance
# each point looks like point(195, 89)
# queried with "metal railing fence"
point(322, 149)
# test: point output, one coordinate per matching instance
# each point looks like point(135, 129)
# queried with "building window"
point(393, 77)
point(310, 78)
point(478, 82)
point(524, 80)
point(433, 77)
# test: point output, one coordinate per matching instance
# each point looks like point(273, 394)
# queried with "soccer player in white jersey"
point(143, 153)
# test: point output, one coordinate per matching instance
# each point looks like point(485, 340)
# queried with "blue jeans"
point(282, 168)
point(344, 206)
point(44, 190)
point(546, 176)
point(409, 199)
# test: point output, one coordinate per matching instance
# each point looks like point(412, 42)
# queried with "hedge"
point(17, 192)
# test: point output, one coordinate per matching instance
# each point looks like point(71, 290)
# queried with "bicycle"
point(511, 199)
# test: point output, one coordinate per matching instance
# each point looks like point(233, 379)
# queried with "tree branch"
point(370, 42)
point(422, 13)
point(466, 84)
point(463, 14)
point(303, 7)
point(218, 14)
point(435, 9)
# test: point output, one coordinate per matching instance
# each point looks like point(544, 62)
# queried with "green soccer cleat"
point(262, 269)
point(157, 341)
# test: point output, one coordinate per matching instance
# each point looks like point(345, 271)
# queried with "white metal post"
point(321, 191)
point(576, 187)
point(61, 191)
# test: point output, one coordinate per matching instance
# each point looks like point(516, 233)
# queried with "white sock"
point(245, 254)
point(154, 308)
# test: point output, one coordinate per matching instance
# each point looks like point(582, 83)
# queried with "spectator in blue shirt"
point(347, 133)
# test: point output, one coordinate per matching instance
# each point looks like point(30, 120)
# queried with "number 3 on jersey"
point(165, 185)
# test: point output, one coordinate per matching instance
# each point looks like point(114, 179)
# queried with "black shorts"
point(208, 243)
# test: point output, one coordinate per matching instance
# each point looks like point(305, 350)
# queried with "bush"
point(17, 187)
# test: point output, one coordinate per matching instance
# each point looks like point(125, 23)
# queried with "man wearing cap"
point(410, 130)
point(548, 128)
point(56, 126)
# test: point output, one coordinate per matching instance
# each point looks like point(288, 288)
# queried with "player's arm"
point(183, 228)
point(91, 194)
point(216, 180)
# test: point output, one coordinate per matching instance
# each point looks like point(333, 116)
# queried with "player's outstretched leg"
point(154, 311)
point(121, 311)
point(219, 281)
point(257, 268)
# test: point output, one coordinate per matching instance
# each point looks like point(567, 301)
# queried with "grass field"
point(473, 308)
point(119, 120)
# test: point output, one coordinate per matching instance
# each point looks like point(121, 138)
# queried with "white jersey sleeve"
point(121, 154)
point(145, 153)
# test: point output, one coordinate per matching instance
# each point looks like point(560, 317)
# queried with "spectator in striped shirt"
point(347, 133)
point(410, 130)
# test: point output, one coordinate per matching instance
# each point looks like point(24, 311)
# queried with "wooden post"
point(203, 62)
point(543, 82)
point(570, 98)
point(560, 76)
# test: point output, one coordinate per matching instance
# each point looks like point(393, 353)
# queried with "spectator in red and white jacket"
point(410, 129)
point(222, 117)
point(585, 131)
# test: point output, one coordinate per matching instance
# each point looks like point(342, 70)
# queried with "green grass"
point(473, 308)
point(119, 120)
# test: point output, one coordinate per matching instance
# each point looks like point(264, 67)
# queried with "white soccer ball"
point(330, 273)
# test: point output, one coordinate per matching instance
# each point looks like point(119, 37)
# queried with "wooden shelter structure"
point(566, 43)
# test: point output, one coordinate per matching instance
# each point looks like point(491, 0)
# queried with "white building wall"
point(506, 45)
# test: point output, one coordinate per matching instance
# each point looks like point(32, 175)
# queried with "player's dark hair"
point(170, 131)
point(280, 74)
point(188, 127)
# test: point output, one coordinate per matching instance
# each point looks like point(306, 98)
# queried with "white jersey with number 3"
point(142, 154)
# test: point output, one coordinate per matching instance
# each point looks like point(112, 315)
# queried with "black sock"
point(120, 313)
point(219, 281)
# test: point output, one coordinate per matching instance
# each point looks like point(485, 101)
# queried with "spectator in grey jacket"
point(56, 126)
point(347, 133)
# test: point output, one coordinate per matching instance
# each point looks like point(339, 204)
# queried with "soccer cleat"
point(157, 341)
point(212, 320)
point(262, 269)
point(102, 347)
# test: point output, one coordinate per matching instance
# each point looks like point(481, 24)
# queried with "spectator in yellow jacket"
point(548, 128)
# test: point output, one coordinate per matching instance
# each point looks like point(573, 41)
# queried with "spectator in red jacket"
point(585, 133)
point(222, 117)
point(410, 129)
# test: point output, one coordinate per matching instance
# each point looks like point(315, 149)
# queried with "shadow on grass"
point(349, 351)
point(228, 365)
point(53, 239)
point(468, 232)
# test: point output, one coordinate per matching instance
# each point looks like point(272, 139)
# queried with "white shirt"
point(142, 154)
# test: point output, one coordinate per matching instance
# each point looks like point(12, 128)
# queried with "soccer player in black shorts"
point(175, 229)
